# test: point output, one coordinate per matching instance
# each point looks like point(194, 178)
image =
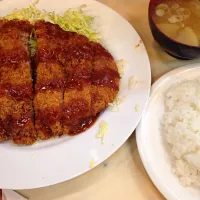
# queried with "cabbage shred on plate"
point(72, 20)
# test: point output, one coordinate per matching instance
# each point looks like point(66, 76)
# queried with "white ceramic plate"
point(152, 149)
point(58, 160)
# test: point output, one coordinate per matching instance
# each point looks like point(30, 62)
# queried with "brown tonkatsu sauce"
point(77, 107)
point(21, 122)
point(75, 83)
point(106, 77)
point(83, 125)
point(81, 51)
point(50, 85)
point(46, 55)
point(13, 57)
point(49, 117)
point(61, 84)
point(18, 92)
point(49, 31)
point(101, 52)
point(54, 115)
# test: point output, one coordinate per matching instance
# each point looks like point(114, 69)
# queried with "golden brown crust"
point(77, 96)
point(16, 111)
point(49, 84)
point(105, 79)
point(75, 80)
point(60, 47)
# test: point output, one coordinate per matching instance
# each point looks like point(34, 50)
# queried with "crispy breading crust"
point(91, 75)
point(16, 109)
point(74, 80)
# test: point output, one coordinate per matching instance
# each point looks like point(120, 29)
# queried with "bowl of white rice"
point(182, 129)
point(168, 136)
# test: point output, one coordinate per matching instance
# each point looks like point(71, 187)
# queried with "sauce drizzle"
point(20, 92)
point(48, 117)
point(21, 122)
point(50, 85)
point(106, 77)
point(84, 125)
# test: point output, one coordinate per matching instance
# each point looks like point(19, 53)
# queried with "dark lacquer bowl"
point(174, 48)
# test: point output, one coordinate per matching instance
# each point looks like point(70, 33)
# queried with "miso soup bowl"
point(172, 47)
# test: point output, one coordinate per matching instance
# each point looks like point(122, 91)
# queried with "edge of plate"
point(162, 188)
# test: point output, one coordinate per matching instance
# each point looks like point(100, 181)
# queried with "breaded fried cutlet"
point(16, 109)
point(60, 47)
point(105, 79)
point(90, 73)
point(59, 91)
point(49, 85)
point(48, 99)
point(54, 33)
point(77, 96)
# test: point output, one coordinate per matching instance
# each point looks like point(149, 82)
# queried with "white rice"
point(182, 130)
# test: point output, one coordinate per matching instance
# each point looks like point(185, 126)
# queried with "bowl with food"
point(168, 134)
point(175, 25)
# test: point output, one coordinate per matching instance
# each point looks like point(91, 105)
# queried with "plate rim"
point(148, 167)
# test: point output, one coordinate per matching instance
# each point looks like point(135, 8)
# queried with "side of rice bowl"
point(168, 136)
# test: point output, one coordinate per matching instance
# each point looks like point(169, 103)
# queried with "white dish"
point(150, 140)
point(58, 160)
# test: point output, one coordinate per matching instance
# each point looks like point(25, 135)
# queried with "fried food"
point(16, 109)
point(73, 81)
point(105, 79)
point(49, 83)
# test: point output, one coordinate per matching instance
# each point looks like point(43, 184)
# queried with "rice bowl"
point(154, 149)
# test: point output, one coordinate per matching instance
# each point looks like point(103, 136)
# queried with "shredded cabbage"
point(92, 163)
point(102, 131)
point(71, 20)
point(33, 45)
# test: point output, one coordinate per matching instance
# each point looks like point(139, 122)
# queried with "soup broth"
point(179, 20)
